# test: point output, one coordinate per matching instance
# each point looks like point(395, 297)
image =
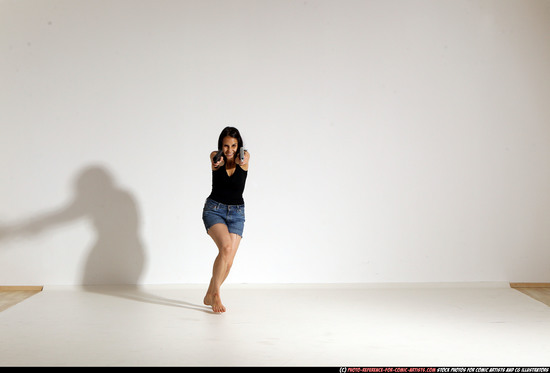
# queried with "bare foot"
point(215, 301)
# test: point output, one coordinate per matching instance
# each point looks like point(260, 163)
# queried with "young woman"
point(223, 213)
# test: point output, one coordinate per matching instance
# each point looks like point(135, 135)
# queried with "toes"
point(218, 308)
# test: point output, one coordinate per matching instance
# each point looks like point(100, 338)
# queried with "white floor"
point(292, 325)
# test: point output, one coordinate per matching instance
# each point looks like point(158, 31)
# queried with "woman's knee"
point(227, 251)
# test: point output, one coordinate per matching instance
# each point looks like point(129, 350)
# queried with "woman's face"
point(230, 145)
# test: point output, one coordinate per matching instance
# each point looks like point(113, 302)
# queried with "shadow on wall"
point(117, 255)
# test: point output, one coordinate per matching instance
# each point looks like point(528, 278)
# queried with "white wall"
point(391, 141)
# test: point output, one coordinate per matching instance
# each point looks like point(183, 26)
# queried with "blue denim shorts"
point(230, 215)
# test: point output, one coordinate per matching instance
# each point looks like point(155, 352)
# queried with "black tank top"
point(228, 189)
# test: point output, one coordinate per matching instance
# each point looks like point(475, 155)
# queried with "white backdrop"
point(391, 141)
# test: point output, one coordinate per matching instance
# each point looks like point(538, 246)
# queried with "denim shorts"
point(230, 215)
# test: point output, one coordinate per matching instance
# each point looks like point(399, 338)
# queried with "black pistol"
point(217, 157)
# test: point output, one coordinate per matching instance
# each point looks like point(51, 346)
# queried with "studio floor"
point(278, 325)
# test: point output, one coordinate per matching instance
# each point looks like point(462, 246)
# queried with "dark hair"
point(231, 132)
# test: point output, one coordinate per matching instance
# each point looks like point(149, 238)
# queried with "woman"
point(223, 212)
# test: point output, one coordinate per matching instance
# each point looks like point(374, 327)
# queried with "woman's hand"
point(217, 164)
point(245, 161)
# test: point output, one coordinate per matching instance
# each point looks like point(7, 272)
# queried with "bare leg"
point(227, 243)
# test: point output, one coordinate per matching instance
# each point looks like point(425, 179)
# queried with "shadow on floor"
point(137, 294)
